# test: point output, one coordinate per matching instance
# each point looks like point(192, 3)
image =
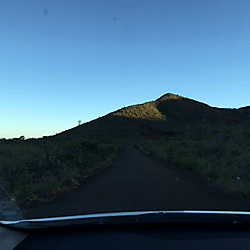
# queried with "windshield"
point(124, 106)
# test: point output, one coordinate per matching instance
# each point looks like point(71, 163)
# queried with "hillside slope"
point(167, 116)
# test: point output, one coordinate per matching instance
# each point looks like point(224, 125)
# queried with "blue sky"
point(68, 60)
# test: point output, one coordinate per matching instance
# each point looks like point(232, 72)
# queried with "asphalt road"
point(136, 181)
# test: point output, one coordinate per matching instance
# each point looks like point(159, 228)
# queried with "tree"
point(79, 122)
point(21, 138)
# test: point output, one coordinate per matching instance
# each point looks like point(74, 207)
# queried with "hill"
point(211, 142)
point(167, 116)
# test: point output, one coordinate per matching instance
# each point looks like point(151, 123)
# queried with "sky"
point(62, 61)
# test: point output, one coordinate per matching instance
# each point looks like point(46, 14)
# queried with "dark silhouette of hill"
point(167, 116)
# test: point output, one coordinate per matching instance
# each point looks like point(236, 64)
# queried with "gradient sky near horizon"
point(67, 60)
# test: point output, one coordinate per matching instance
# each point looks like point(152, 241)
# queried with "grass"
point(35, 172)
point(213, 143)
point(214, 155)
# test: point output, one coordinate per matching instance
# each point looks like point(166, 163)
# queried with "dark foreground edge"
point(135, 217)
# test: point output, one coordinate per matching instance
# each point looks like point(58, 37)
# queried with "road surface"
point(135, 181)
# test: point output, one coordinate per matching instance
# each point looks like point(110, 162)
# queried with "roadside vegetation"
point(213, 143)
point(35, 171)
point(220, 153)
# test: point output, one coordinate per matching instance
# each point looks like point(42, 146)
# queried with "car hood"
point(176, 216)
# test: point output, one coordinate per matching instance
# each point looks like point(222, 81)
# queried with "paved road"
point(134, 182)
